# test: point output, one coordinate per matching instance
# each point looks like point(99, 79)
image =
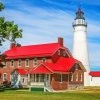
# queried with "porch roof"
point(21, 71)
point(41, 69)
point(63, 65)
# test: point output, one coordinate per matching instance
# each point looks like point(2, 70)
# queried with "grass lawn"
point(70, 95)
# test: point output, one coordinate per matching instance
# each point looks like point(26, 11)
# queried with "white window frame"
point(11, 63)
point(19, 65)
point(4, 77)
point(26, 62)
point(43, 59)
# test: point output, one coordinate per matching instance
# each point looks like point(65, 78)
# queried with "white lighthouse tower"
point(80, 50)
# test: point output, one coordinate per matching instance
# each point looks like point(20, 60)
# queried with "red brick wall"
point(9, 69)
point(56, 85)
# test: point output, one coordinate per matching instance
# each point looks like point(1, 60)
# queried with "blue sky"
point(43, 21)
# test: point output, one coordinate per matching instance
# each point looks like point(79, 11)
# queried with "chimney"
point(12, 45)
point(60, 41)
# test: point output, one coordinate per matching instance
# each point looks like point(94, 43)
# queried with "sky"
point(43, 21)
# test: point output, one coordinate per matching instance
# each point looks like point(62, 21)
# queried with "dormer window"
point(12, 63)
point(43, 59)
point(59, 52)
point(35, 61)
point(64, 53)
point(27, 62)
point(19, 62)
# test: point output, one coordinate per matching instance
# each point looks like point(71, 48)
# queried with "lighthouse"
point(80, 48)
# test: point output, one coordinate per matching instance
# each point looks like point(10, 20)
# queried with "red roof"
point(22, 71)
point(41, 69)
point(63, 65)
point(95, 73)
point(32, 51)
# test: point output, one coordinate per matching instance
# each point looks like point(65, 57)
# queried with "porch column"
point(28, 79)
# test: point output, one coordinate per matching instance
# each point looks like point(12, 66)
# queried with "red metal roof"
point(63, 65)
point(41, 69)
point(32, 51)
point(22, 71)
point(94, 73)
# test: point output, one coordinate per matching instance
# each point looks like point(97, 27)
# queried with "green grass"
point(70, 95)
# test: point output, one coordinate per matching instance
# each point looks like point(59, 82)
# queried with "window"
point(19, 62)
point(23, 80)
point(12, 63)
point(60, 77)
point(27, 62)
point(4, 76)
point(81, 77)
point(71, 76)
point(64, 53)
point(5, 64)
point(76, 66)
point(43, 59)
point(38, 77)
point(76, 77)
point(35, 61)
point(59, 52)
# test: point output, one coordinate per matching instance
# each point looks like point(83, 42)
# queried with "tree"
point(1, 6)
point(8, 30)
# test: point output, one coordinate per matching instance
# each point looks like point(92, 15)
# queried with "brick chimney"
point(12, 45)
point(60, 41)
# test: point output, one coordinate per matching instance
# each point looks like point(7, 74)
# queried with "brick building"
point(50, 66)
